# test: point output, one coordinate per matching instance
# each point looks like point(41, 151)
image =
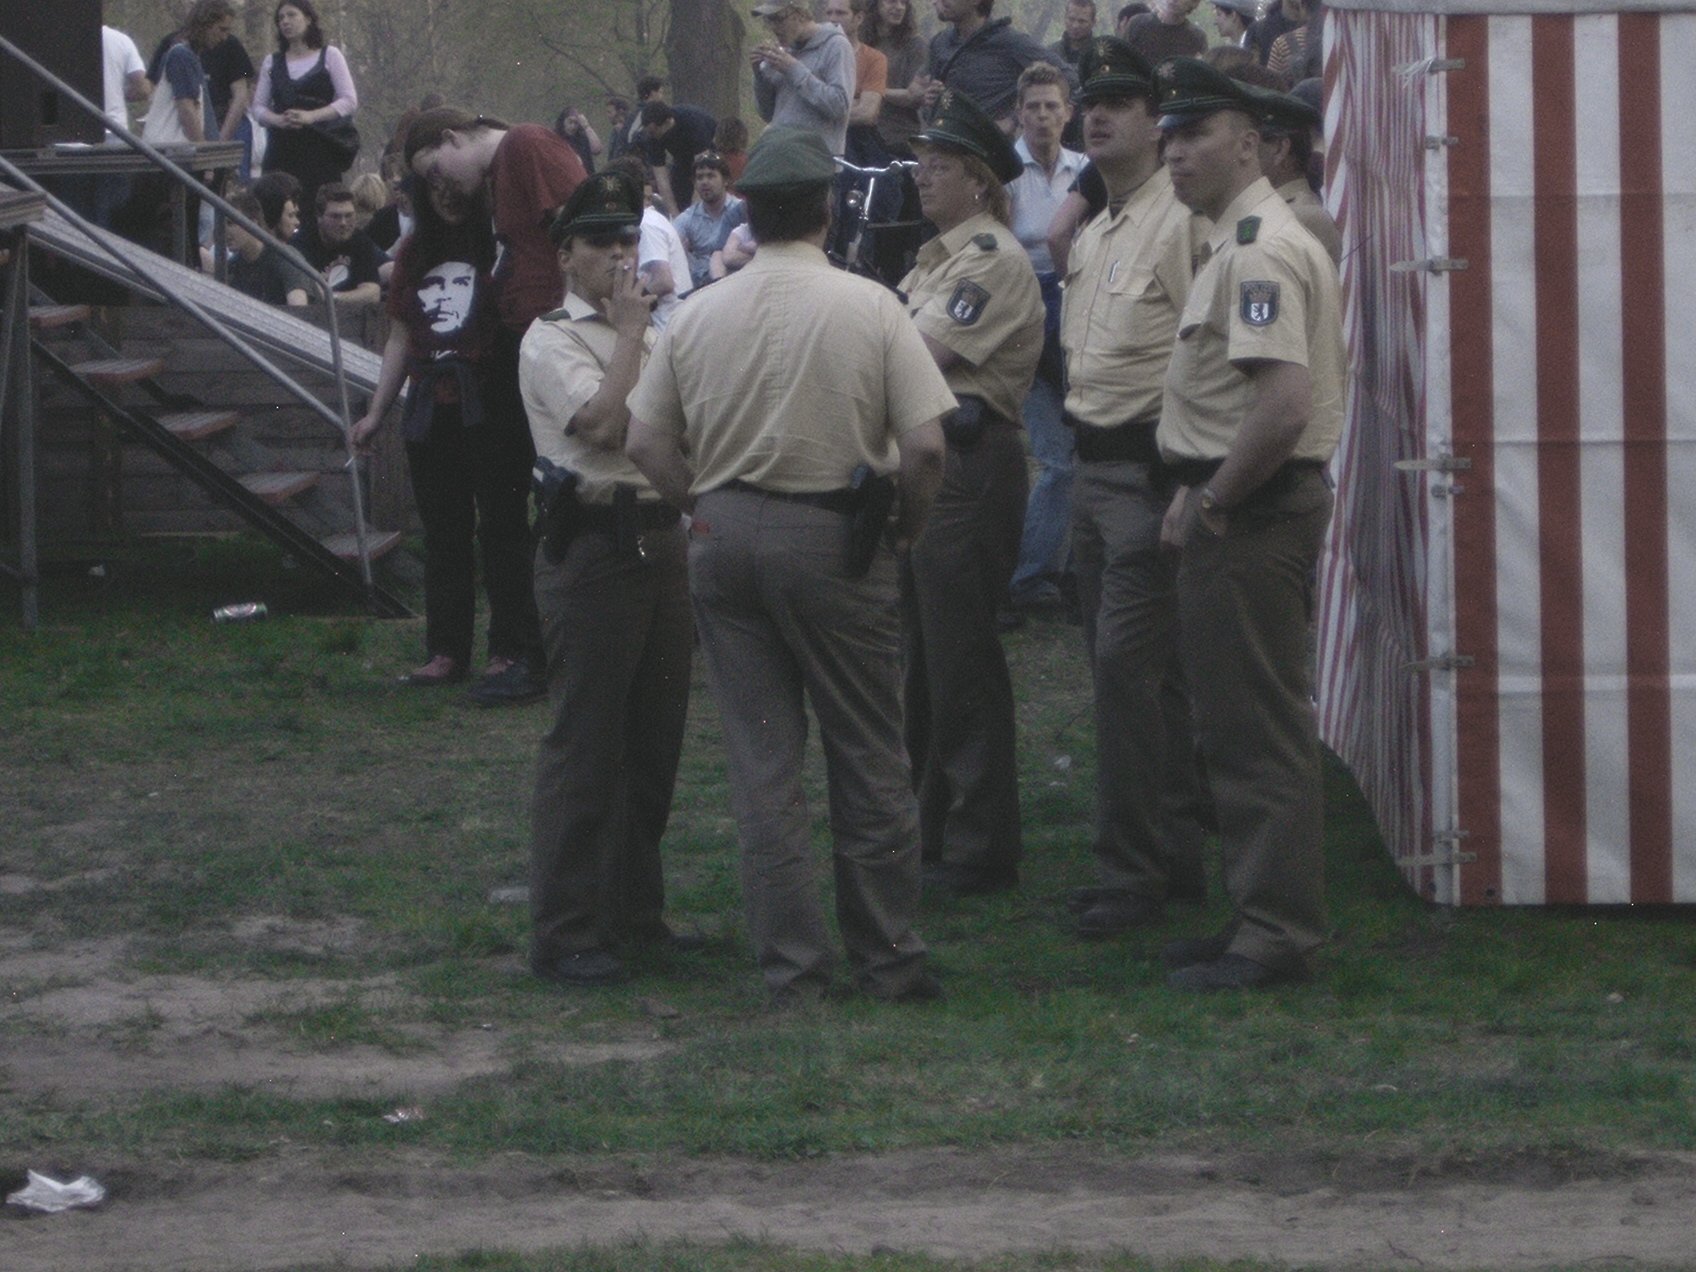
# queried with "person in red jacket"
point(527, 173)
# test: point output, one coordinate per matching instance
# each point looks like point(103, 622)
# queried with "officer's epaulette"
point(987, 241)
point(1247, 229)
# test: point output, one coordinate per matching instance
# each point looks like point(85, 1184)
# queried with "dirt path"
point(80, 1022)
point(308, 1209)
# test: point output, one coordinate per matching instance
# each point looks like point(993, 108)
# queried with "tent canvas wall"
point(1508, 594)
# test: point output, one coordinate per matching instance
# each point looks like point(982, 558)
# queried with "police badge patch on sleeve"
point(966, 305)
point(1260, 304)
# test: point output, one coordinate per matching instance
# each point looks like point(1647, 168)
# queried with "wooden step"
point(192, 426)
point(377, 542)
point(276, 488)
point(115, 371)
point(46, 317)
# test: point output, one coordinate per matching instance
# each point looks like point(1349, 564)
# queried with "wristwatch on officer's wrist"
point(1210, 502)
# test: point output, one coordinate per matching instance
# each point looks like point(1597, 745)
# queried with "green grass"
point(171, 779)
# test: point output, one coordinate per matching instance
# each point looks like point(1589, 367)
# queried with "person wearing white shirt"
point(661, 258)
point(125, 75)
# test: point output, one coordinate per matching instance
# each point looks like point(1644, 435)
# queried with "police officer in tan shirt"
point(1128, 278)
point(764, 397)
point(1252, 412)
point(975, 300)
point(612, 591)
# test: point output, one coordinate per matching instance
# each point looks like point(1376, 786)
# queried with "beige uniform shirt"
point(1126, 283)
point(560, 367)
point(789, 374)
point(1313, 216)
point(973, 291)
point(1271, 298)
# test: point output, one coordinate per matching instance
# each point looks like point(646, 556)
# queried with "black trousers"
point(472, 486)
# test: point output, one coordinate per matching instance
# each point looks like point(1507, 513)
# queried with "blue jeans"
point(1044, 549)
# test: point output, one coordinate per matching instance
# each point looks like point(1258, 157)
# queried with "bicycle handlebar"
point(898, 165)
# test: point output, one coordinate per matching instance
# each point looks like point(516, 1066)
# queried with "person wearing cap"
point(1286, 147)
point(612, 588)
point(1252, 412)
point(769, 399)
point(804, 74)
point(975, 300)
point(1128, 277)
point(1232, 18)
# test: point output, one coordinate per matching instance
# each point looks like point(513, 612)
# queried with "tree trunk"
point(703, 54)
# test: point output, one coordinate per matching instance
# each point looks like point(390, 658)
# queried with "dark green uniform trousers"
point(1245, 600)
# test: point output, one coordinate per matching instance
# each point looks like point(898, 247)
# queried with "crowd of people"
point(1109, 257)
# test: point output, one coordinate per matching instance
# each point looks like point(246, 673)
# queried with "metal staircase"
point(318, 521)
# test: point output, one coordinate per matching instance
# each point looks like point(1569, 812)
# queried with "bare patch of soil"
point(306, 1208)
point(78, 1018)
point(77, 1021)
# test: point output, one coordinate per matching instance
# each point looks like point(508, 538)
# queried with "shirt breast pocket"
point(1131, 294)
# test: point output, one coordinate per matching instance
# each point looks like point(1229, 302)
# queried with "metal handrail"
point(107, 240)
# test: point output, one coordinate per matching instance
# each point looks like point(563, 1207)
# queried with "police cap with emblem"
point(605, 203)
point(1191, 89)
point(1111, 68)
point(961, 125)
point(784, 158)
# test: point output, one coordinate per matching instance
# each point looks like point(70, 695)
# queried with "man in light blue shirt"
point(707, 222)
point(1044, 108)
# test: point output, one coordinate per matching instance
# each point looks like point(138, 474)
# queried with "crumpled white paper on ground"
point(50, 1196)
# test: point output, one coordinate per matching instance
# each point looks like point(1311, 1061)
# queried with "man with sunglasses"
point(613, 592)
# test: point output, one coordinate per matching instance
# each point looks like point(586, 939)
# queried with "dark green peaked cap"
point(787, 157)
point(1288, 113)
point(1191, 89)
point(960, 124)
point(606, 201)
point(1111, 68)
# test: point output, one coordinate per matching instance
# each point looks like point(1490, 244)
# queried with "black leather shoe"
point(1194, 949)
point(964, 881)
point(513, 686)
point(586, 968)
point(1186, 883)
point(1115, 912)
point(1229, 971)
point(923, 988)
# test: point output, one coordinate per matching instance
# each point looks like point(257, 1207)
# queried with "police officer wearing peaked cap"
point(612, 592)
point(1252, 412)
point(975, 299)
point(1286, 146)
point(764, 400)
point(1128, 280)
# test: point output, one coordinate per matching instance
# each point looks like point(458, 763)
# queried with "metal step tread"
point(276, 488)
point(377, 542)
point(192, 426)
point(110, 371)
point(270, 326)
point(46, 317)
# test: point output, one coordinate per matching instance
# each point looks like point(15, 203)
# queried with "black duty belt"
point(1198, 472)
point(649, 515)
point(1131, 442)
point(844, 500)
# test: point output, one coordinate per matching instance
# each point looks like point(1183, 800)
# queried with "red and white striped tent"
point(1508, 600)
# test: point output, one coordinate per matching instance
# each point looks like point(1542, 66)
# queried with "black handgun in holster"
point(964, 425)
point(874, 497)
point(559, 517)
point(626, 532)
